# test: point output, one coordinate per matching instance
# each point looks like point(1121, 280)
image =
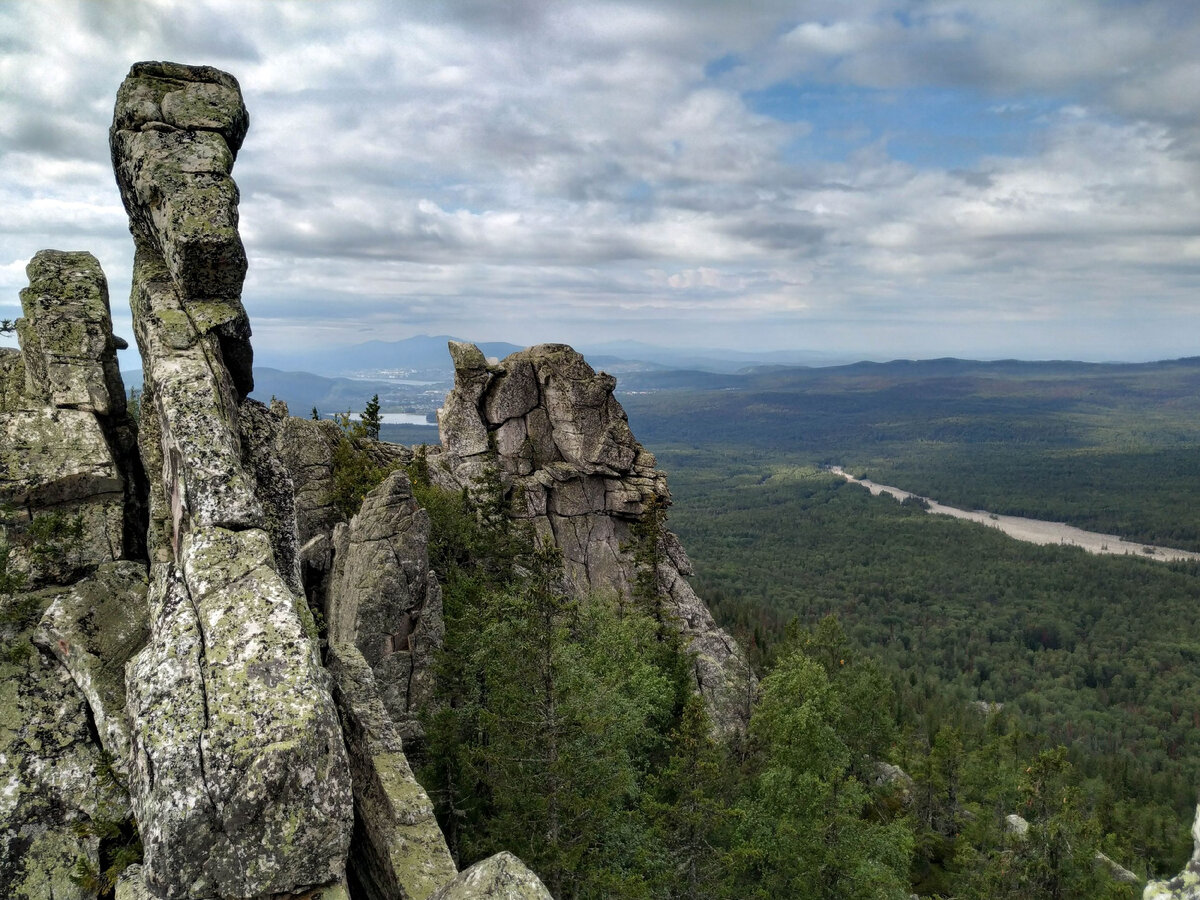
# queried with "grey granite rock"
point(94, 628)
point(385, 601)
point(175, 134)
point(67, 339)
point(398, 850)
point(499, 877)
point(65, 491)
point(552, 427)
point(12, 379)
point(240, 781)
point(239, 774)
point(52, 771)
point(191, 393)
point(262, 434)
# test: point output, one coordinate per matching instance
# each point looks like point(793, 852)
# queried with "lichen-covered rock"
point(1185, 885)
point(385, 601)
point(262, 433)
point(190, 392)
point(175, 134)
point(561, 442)
point(12, 379)
point(53, 775)
point(398, 850)
point(93, 628)
point(306, 447)
point(240, 781)
point(57, 465)
point(499, 877)
point(67, 339)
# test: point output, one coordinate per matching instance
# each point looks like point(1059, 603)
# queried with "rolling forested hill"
point(1101, 655)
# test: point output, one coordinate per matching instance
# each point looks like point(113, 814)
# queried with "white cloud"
point(570, 167)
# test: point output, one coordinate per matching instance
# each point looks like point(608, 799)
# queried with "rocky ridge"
point(162, 668)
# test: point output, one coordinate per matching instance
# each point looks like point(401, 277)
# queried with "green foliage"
point(648, 552)
point(1055, 857)
point(1096, 653)
point(371, 419)
point(7, 326)
point(355, 473)
point(1110, 448)
point(315, 416)
point(133, 404)
point(120, 848)
point(552, 712)
point(806, 827)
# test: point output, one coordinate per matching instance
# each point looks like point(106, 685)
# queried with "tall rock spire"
point(239, 777)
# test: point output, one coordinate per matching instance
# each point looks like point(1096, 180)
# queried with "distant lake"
point(399, 419)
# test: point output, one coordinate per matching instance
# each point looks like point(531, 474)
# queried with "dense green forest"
point(1101, 654)
point(1000, 678)
point(565, 731)
point(1109, 448)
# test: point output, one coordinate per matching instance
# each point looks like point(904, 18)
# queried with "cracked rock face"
point(239, 775)
point(66, 335)
point(51, 766)
point(398, 849)
point(385, 601)
point(563, 446)
point(175, 135)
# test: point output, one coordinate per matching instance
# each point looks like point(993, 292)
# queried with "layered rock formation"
point(73, 517)
point(561, 442)
point(162, 671)
point(240, 780)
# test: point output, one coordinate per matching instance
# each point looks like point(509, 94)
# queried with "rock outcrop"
point(561, 442)
point(1185, 885)
point(499, 877)
point(72, 520)
point(239, 776)
point(385, 601)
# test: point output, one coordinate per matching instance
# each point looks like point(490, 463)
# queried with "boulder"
point(499, 877)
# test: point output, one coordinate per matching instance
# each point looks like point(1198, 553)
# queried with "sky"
point(877, 179)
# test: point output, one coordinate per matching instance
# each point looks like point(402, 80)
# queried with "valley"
point(1033, 531)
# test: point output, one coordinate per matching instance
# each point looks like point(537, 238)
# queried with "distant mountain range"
point(414, 375)
point(425, 357)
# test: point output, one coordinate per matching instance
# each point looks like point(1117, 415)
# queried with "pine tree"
point(371, 419)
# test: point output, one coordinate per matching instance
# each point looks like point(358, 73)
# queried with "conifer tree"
point(371, 419)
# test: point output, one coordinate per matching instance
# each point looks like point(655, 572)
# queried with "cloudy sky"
point(874, 179)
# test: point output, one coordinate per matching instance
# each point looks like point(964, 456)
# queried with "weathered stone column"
point(240, 780)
